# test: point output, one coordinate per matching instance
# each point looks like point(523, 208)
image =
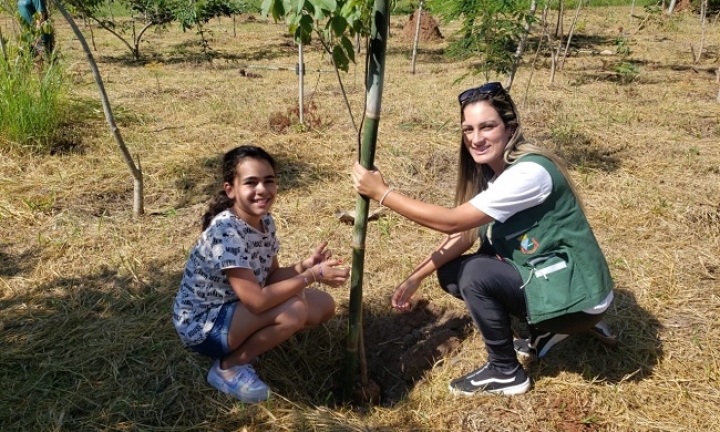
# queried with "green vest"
point(555, 251)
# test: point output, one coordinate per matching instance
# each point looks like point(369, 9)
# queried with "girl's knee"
point(323, 307)
point(295, 314)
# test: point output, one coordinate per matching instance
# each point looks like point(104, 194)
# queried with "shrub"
point(32, 96)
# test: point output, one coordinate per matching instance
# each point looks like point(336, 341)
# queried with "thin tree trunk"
point(520, 49)
point(570, 34)
point(671, 7)
point(561, 16)
point(342, 88)
point(703, 14)
point(374, 86)
point(537, 52)
point(2, 46)
point(418, 18)
point(138, 197)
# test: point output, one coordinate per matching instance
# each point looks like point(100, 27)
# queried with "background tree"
point(490, 31)
point(153, 13)
point(135, 170)
point(188, 13)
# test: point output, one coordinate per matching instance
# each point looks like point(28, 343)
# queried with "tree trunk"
point(418, 18)
point(374, 85)
point(703, 16)
point(570, 34)
point(138, 205)
point(543, 20)
point(2, 46)
point(561, 16)
point(520, 49)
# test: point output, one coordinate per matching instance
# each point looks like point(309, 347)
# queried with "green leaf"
point(327, 5)
point(338, 25)
point(340, 58)
point(304, 30)
point(349, 48)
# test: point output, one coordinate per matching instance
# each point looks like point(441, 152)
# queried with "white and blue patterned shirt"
point(228, 242)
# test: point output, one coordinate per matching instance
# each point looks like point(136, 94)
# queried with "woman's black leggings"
point(491, 291)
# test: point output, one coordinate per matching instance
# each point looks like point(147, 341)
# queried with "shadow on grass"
point(12, 265)
point(97, 350)
point(634, 359)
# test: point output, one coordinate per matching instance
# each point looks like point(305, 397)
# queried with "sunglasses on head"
point(491, 88)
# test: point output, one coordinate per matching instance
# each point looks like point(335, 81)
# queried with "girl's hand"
point(328, 273)
point(319, 255)
point(368, 183)
point(403, 293)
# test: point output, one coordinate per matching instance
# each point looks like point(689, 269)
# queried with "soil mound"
point(429, 30)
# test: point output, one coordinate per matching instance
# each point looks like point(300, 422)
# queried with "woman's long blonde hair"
point(473, 178)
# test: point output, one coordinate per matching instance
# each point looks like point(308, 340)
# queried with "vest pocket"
point(549, 286)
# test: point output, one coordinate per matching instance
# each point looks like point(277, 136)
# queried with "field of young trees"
point(86, 288)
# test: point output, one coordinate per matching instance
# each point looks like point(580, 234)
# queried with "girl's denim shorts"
point(215, 344)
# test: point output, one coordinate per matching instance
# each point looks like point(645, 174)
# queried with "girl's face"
point(485, 135)
point(254, 190)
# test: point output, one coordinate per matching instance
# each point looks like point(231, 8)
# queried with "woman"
point(35, 15)
point(538, 258)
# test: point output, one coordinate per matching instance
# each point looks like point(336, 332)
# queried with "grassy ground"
point(86, 291)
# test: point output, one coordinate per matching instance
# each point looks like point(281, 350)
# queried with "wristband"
point(387, 192)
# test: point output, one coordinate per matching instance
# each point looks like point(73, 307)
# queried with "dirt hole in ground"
point(402, 346)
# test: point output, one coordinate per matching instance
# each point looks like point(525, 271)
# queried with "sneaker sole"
point(521, 352)
point(551, 343)
point(222, 387)
point(606, 339)
point(517, 389)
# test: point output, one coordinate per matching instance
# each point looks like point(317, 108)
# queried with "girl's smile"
point(253, 190)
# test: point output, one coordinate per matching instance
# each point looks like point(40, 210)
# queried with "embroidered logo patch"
point(528, 245)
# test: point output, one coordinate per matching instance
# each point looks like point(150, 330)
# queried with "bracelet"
point(306, 280)
point(387, 192)
point(320, 271)
point(313, 275)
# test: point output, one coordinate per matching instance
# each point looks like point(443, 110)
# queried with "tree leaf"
point(338, 25)
point(340, 58)
point(349, 48)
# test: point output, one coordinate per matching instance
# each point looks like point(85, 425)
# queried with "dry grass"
point(86, 291)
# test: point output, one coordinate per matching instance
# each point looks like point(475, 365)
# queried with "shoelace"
point(248, 374)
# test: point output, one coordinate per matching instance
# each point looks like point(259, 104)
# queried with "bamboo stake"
point(374, 85)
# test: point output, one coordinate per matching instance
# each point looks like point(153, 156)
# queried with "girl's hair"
point(473, 179)
point(220, 201)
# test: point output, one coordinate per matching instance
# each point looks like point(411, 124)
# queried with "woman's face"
point(485, 135)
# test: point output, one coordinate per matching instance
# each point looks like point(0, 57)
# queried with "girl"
point(538, 259)
point(235, 302)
